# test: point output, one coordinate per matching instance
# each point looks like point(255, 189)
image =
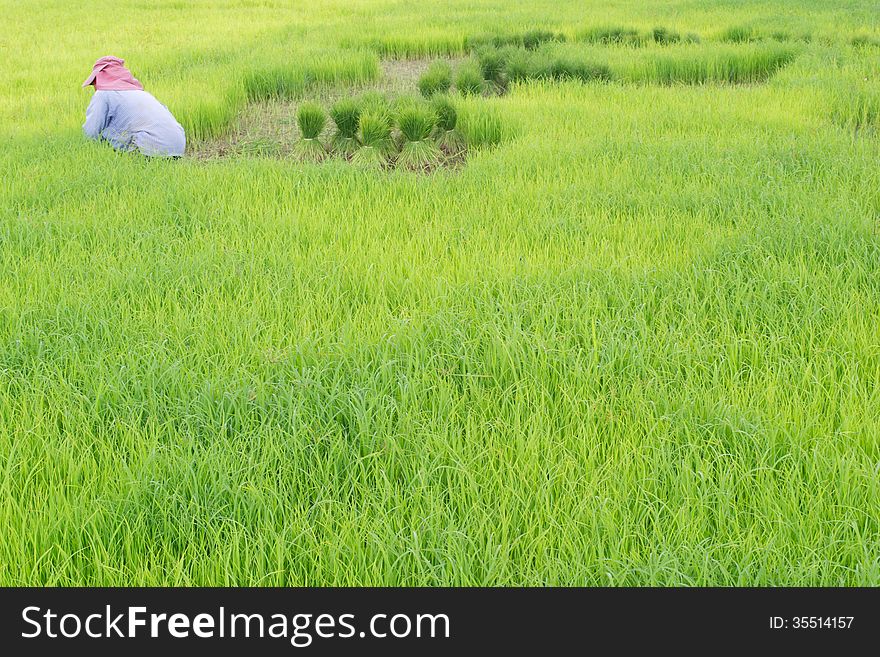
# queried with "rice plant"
point(311, 120)
point(491, 63)
point(477, 42)
point(633, 343)
point(492, 67)
point(739, 34)
point(481, 125)
point(417, 123)
point(448, 137)
point(417, 46)
point(864, 41)
point(288, 81)
point(346, 115)
point(730, 64)
point(473, 43)
point(374, 101)
point(856, 107)
point(612, 35)
point(562, 67)
point(520, 65)
point(437, 79)
point(469, 79)
point(374, 134)
point(664, 36)
point(532, 39)
point(276, 82)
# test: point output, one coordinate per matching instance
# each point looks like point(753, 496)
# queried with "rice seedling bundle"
point(469, 79)
point(311, 120)
point(346, 115)
point(437, 79)
point(374, 134)
point(865, 41)
point(612, 35)
point(663, 35)
point(738, 34)
point(520, 65)
point(532, 39)
point(560, 67)
point(374, 101)
point(417, 123)
point(449, 139)
point(492, 64)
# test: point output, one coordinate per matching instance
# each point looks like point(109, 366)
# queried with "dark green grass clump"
point(449, 139)
point(346, 115)
point(492, 63)
point(519, 65)
point(665, 36)
point(571, 68)
point(417, 123)
point(864, 41)
point(501, 66)
point(530, 39)
point(739, 34)
point(613, 35)
point(437, 79)
point(533, 39)
point(782, 36)
point(469, 79)
point(311, 119)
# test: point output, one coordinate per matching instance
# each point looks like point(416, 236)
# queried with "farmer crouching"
point(128, 117)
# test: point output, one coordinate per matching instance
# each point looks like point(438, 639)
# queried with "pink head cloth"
point(109, 73)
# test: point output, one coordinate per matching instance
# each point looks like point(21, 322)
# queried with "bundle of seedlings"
point(437, 79)
point(562, 67)
point(449, 139)
point(520, 65)
point(345, 114)
point(859, 41)
point(417, 122)
point(469, 79)
point(373, 101)
point(532, 39)
point(311, 120)
point(492, 63)
point(613, 35)
point(739, 34)
point(374, 134)
point(498, 40)
point(663, 36)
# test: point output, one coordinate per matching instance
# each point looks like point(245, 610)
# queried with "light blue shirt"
point(134, 120)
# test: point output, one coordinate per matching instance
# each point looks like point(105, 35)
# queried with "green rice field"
point(632, 338)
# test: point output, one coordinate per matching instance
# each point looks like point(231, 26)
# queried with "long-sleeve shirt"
point(132, 120)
